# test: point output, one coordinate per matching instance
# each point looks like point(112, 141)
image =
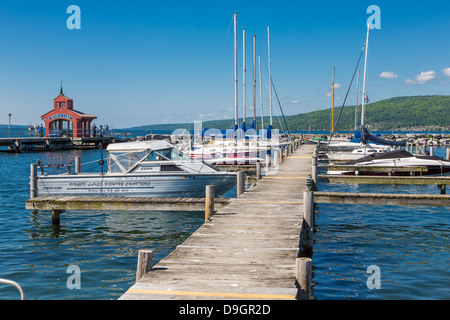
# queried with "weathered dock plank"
point(382, 198)
point(413, 180)
point(105, 203)
point(247, 250)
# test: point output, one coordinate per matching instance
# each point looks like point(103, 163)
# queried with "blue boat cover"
point(377, 139)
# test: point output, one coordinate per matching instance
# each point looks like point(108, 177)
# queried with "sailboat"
point(390, 159)
point(239, 148)
point(363, 144)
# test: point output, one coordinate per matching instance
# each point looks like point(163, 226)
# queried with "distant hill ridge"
point(400, 113)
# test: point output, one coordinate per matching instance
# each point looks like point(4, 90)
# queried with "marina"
point(75, 218)
point(201, 249)
point(207, 167)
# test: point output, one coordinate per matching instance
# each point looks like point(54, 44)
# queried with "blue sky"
point(143, 62)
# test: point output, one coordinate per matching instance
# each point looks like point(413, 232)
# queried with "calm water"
point(102, 244)
point(409, 244)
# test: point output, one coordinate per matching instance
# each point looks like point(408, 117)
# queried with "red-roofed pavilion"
point(63, 120)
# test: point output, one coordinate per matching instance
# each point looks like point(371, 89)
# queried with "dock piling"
point(240, 183)
point(308, 223)
point(56, 219)
point(77, 164)
point(303, 271)
point(314, 169)
point(258, 171)
point(144, 265)
point(33, 180)
point(209, 202)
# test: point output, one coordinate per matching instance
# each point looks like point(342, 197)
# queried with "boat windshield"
point(121, 162)
point(167, 154)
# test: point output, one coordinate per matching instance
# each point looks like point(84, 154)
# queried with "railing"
point(14, 284)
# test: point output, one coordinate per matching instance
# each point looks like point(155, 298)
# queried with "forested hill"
point(401, 113)
point(426, 112)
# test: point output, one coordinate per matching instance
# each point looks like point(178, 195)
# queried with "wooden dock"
point(249, 249)
point(115, 203)
point(29, 144)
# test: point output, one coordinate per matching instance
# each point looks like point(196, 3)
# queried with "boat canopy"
point(139, 146)
point(122, 157)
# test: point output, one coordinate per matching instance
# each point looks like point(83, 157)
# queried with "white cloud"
point(422, 77)
point(337, 86)
point(388, 75)
point(294, 102)
point(446, 71)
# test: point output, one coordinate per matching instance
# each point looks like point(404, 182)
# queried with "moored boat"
point(141, 169)
point(390, 161)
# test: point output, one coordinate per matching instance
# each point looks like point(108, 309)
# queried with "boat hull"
point(135, 185)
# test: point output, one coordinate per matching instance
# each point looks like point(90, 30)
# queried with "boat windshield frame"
point(127, 164)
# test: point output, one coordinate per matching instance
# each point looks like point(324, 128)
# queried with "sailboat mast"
point(332, 103)
point(357, 99)
point(254, 79)
point(364, 84)
point(244, 73)
point(270, 75)
point(260, 93)
point(235, 73)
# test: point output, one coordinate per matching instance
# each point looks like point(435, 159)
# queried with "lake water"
point(408, 244)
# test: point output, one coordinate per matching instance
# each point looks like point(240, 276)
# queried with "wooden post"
point(303, 274)
point(314, 170)
point(240, 183)
point(431, 151)
point(77, 164)
point(276, 159)
point(448, 154)
point(308, 225)
point(56, 216)
point(443, 188)
point(209, 202)
point(267, 164)
point(258, 171)
point(33, 180)
point(144, 264)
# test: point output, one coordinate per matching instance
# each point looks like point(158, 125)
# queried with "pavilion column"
point(89, 128)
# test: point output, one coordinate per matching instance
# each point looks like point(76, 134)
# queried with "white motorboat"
point(394, 159)
point(141, 169)
point(358, 153)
